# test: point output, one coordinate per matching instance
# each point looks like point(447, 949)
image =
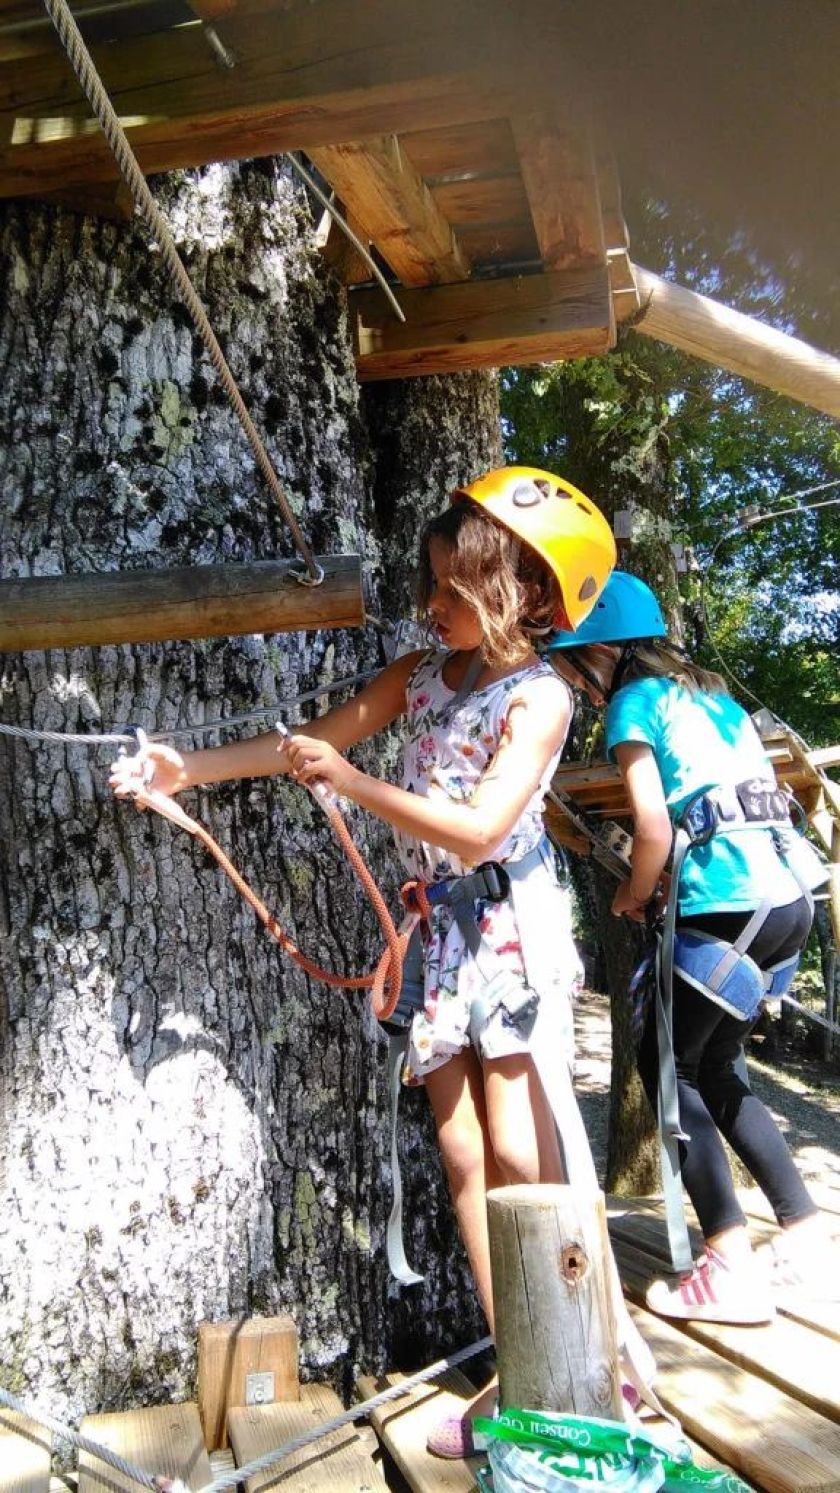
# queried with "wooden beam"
point(732, 340)
point(484, 324)
point(558, 168)
point(305, 77)
point(343, 258)
point(387, 195)
point(151, 606)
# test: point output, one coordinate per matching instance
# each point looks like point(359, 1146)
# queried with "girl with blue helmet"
point(684, 746)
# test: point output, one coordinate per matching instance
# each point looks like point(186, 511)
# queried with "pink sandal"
point(452, 1437)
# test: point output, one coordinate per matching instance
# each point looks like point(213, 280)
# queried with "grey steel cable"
point(94, 1448)
point(128, 738)
point(229, 1480)
point(336, 216)
point(83, 66)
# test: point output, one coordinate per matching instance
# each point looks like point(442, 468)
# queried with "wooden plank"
point(507, 245)
point(305, 76)
point(387, 195)
point(483, 202)
point(25, 1454)
point(558, 169)
point(764, 1434)
point(228, 1352)
point(341, 1461)
point(802, 1363)
point(729, 339)
point(344, 260)
point(403, 1427)
point(165, 1441)
point(485, 147)
point(484, 324)
point(201, 601)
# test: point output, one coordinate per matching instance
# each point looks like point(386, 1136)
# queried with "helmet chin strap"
point(623, 662)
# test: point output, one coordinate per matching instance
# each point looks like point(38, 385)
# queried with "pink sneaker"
point(714, 1291)
point(451, 1437)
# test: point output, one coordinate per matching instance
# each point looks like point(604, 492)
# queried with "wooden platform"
point(764, 1400)
point(25, 1450)
point(339, 1463)
point(404, 1426)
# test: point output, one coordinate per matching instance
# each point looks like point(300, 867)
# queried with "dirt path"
point(802, 1094)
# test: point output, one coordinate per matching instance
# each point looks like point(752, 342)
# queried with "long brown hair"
point(646, 657)
point(513, 593)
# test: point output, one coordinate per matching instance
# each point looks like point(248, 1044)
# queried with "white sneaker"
point(714, 1291)
point(812, 1275)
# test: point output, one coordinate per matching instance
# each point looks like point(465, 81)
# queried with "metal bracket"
point(259, 1389)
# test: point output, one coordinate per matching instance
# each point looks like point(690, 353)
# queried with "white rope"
point(239, 1475)
point(83, 66)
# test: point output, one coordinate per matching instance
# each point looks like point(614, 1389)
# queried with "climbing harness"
point(720, 970)
point(384, 982)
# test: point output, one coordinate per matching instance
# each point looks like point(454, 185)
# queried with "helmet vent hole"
point(544, 487)
point(526, 495)
point(584, 507)
point(589, 587)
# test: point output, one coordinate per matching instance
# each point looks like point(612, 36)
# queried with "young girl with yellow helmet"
point(517, 553)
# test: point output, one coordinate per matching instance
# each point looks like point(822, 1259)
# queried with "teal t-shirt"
point(702, 741)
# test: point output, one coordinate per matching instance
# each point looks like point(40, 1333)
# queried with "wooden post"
point(244, 1362)
point(202, 601)
point(748, 347)
point(555, 1331)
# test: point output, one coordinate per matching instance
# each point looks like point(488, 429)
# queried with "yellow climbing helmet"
point(559, 522)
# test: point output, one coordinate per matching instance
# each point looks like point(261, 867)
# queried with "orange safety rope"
point(385, 982)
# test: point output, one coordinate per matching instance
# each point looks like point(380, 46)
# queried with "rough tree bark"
point(617, 451)
point(189, 1128)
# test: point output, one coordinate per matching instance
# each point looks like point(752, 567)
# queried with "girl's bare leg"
point(456, 1094)
point(520, 1123)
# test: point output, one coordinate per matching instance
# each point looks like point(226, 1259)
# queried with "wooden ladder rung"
point(164, 1440)
point(338, 1463)
point(25, 1454)
point(403, 1426)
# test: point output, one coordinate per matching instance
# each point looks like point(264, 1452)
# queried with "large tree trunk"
point(189, 1127)
point(617, 451)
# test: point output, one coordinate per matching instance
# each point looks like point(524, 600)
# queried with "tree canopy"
point(762, 601)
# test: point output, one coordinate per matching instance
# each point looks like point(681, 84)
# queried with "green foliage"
point(762, 603)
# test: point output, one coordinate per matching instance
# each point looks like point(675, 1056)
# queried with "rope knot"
point(414, 899)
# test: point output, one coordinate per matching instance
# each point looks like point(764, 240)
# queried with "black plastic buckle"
point(495, 879)
point(699, 819)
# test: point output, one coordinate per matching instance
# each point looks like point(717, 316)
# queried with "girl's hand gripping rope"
point(151, 764)
point(316, 764)
point(151, 777)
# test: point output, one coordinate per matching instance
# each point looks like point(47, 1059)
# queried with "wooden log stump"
point(555, 1329)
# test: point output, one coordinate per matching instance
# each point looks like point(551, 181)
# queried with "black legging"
point(713, 1089)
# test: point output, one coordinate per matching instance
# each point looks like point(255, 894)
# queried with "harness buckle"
point(699, 818)
point(495, 879)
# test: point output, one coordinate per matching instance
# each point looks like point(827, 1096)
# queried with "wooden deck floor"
point(764, 1400)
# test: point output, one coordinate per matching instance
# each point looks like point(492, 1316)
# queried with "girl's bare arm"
point(379, 703)
point(537, 723)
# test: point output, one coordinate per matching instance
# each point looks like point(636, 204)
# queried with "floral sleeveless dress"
point(445, 754)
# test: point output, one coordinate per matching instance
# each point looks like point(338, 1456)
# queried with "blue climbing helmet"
point(626, 610)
